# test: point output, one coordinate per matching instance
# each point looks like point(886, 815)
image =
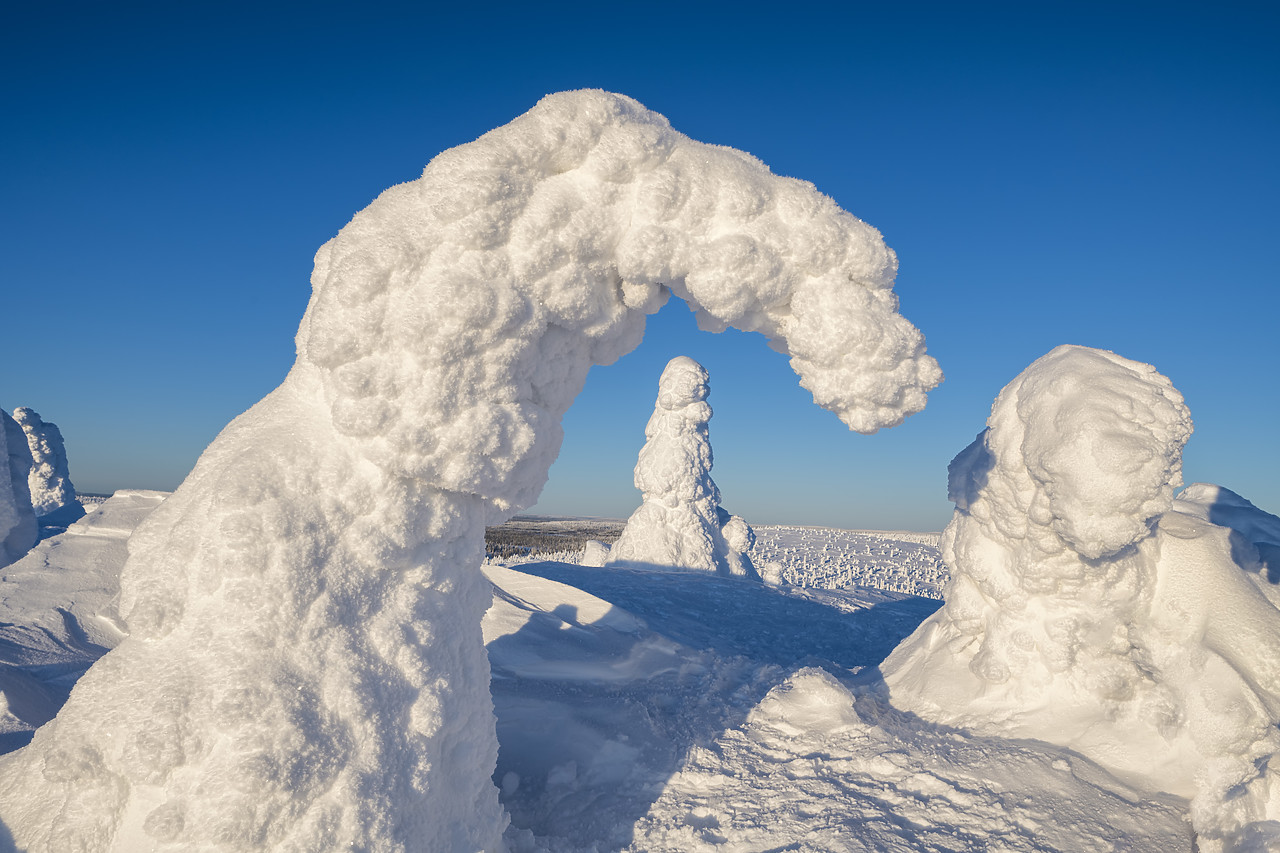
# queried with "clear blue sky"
point(1101, 174)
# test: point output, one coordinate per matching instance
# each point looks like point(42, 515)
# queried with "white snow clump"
point(50, 481)
point(18, 527)
point(680, 524)
point(594, 553)
point(305, 667)
point(1089, 609)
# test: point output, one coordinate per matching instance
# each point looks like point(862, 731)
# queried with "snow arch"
point(305, 666)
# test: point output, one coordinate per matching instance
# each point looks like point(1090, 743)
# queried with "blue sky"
point(1099, 174)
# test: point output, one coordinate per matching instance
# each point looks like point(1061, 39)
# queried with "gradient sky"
point(1101, 174)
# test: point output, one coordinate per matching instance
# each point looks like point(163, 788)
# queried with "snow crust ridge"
point(680, 525)
point(1089, 609)
point(305, 666)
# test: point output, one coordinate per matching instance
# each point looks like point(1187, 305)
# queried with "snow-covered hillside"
point(652, 711)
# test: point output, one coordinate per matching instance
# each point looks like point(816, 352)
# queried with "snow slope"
point(57, 609)
point(651, 711)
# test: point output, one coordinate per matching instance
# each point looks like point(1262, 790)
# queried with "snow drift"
point(680, 524)
point(1087, 608)
point(305, 667)
point(18, 527)
point(52, 493)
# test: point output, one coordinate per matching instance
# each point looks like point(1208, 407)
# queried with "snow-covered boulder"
point(18, 527)
point(305, 667)
point(1090, 609)
point(52, 493)
point(680, 524)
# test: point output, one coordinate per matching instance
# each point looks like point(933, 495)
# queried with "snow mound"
point(305, 665)
point(18, 527)
point(680, 524)
point(595, 553)
point(1088, 609)
point(52, 493)
point(814, 768)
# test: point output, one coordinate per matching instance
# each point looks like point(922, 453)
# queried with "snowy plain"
point(680, 711)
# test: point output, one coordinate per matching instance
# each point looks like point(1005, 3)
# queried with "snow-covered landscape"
point(678, 711)
point(335, 635)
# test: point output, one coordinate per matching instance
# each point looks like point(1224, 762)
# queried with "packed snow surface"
point(51, 490)
point(57, 609)
point(1090, 609)
point(650, 711)
point(304, 666)
point(18, 527)
point(680, 524)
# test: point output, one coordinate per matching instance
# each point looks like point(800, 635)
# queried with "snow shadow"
point(1227, 511)
point(584, 754)
point(732, 617)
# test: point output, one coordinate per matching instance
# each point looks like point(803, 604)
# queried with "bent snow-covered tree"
point(680, 524)
point(305, 667)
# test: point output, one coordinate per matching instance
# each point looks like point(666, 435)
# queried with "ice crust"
point(680, 524)
point(1088, 608)
point(18, 527)
point(50, 481)
point(305, 667)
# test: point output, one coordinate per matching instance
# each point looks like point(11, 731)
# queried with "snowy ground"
point(678, 711)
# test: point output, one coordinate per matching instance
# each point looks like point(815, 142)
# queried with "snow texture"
point(1087, 608)
point(680, 525)
point(51, 490)
point(18, 527)
point(828, 558)
point(58, 613)
point(305, 667)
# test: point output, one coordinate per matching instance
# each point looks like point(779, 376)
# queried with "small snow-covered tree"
point(50, 481)
point(680, 524)
point(18, 528)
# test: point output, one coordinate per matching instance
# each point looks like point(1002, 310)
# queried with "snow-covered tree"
point(18, 527)
point(50, 481)
point(1089, 608)
point(680, 524)
point(305, 667)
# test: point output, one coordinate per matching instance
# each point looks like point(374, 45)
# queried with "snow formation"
point(18, 527)
point(305, 667)
point(1087, 608)
point(680, 524)
point(50, 482)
